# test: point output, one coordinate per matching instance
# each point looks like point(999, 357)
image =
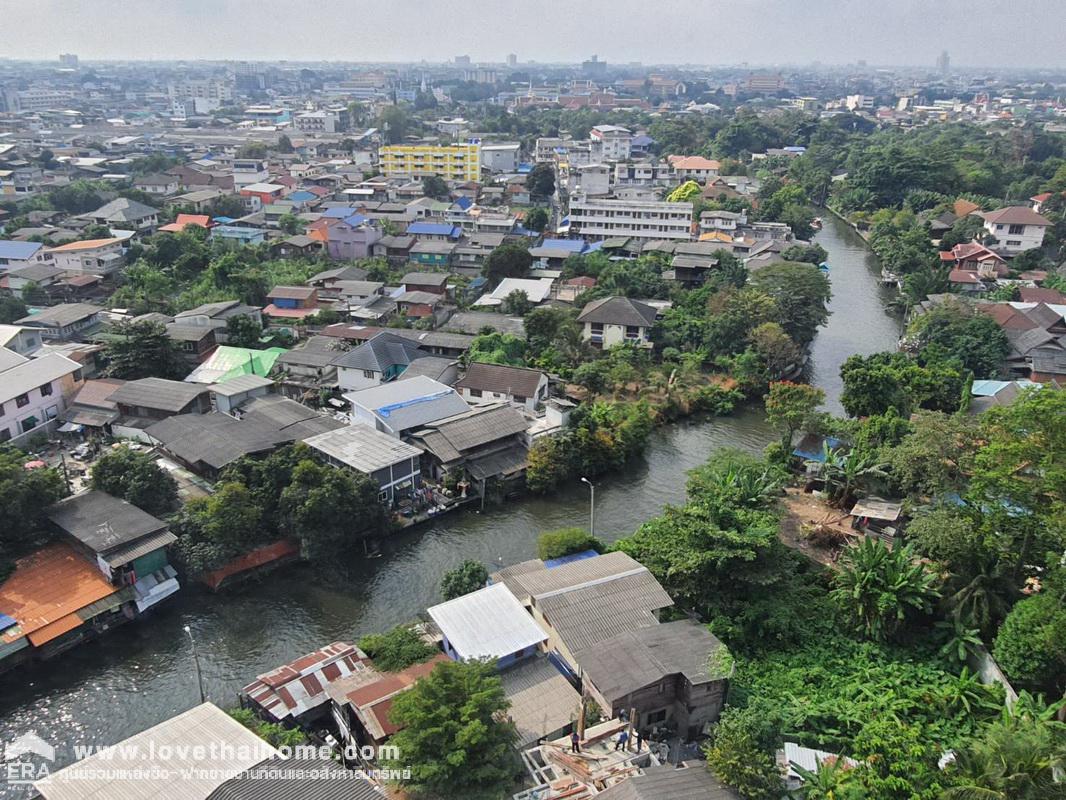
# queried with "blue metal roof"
point(19, 251)
point(524, 169)
point(570, 245)
point(7, 622)
point(434, 229)
point(558, 562)
point(300, 196)
point(356, 219)
point(464, 203)
point(340, 212)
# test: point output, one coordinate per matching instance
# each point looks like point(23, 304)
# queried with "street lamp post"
point(196, 660)
point(592, 506)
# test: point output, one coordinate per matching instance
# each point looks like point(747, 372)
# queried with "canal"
point(143, 674)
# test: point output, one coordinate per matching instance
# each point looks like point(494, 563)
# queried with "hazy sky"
point(975, 32)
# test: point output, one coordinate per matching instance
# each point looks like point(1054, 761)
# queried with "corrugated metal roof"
point(137, 770)
point(296, 779)
point(693, 782)
point(149, 544)
point(158, 393)
point(363, 448)
point(488, 623)
point(298, 687)
point(542, 700)
point(569, 576)
point(103, 522)
point(406, 404)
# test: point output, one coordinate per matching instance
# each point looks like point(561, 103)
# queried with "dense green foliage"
point(453, 735)
point(467, 577)
point(27, 495)
point(876, 383)
point(286, 494)
point(137, 479)
point(956, 333)
point(602, 437)
point(141, 350)
point(565, 542)
point(397, 649)
point(497, 348)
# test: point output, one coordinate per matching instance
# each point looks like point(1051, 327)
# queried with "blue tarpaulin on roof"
point(7, 622)
point(804, 451)
point(558, 562)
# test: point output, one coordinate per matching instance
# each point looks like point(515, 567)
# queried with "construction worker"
point(623, 740)
point(575, 742)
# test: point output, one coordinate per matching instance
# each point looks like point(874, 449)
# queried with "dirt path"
point(806, 509)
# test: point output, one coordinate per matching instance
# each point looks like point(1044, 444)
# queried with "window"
point(5, 435)
point(519, 398)
point(369, 373)
point(597, 328)
point(28, 424)
point(1016, 230)
point(22, 400)
point(656, 717)
point(475, 393)
point(1014, 243)
point(632, 332)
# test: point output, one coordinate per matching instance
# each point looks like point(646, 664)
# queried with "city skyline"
point(758, 32)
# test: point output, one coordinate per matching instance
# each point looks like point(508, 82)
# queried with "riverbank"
point(144, 674)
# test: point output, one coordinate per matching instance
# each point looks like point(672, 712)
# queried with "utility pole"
point(592, 506)
point(196, 660)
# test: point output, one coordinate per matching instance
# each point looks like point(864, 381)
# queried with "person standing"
point(623, 739)
point(575, 742)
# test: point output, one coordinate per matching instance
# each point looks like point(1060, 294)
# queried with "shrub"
point(396, 649)
point(565, 542)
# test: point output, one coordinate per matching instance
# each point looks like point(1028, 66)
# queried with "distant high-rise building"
point(462, 61)
point(594, 67)
point(512, 60)
point(69, 60)
point(943, 63)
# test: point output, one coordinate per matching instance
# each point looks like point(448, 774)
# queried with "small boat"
point(824, 266)
point(816, 223)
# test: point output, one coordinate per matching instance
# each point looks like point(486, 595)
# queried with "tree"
point(467, 577)
point(876, 383)
point(436, 187)
point(536, 220)
point(140, 350)
point(453, 734)
point(252, 150)
point(393, 123)
point(739, 756)
point(937, 457)
point(285, 144)
point(1031, 643)
point(27, 496)
point(802, 294)
point(1015, 758)
point(290, 224)
point(565, 542)
point(330, 509)
point(843, 472)
point(879, 588)
point(957, 331)
point(497, 348)
point(516, 303)
point(509, 260)
point(792, 407)
point(243, 331)
point(397, 649)
point(541, 181)
point(137, 479)
point(11, 309)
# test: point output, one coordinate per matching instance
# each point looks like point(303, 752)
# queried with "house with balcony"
point(648, 220)
point(1016, 229)
point(391, 463)
point(34, 392)
point(88, 257)
point(258, 195)
point(617, 320)
point(294, 303)
point(694, 168)
point(352, 237)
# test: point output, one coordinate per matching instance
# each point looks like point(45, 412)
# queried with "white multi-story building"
point(34, 392)
point(502, 157)
point(1016, 228)
point(647, 220)
point(328, 120)
point(644, 173)
point(247, 171)
point(215, 91)
point(617, 141)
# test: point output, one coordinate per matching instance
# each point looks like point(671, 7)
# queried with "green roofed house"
point(228, 362)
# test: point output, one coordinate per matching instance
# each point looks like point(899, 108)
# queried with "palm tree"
point(834, 779)
point(843, 472)
point(984, 600)
point(880, 587)
point(1017, 757)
